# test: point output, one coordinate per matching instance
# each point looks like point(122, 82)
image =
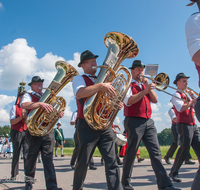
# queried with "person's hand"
point(109, 89)
point(63, 142)
point(55, 141)
point(117, 126)
point(46, 106)
point(114, 130)
point(145, 81)
point(24, 116)
point(121, 105)
point(61, 114)
point(194, 101)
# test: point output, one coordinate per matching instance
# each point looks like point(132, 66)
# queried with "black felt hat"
point(86, 55)
point(36, 79)
point(179, 76)
point(137, 63)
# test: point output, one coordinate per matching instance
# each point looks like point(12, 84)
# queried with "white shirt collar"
point(36, 94)
point(138, 83)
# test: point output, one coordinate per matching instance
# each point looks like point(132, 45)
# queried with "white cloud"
point(4, 100)
point(4, 117)
point(1, 6)
point(4, 113)
point(155, 107)
point(17, 62)
point(169, 105)
point(117, 121)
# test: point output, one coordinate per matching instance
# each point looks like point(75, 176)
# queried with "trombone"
point(190, 89)
point(162, 82)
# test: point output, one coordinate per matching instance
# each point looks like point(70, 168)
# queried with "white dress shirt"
point(74, 116)
point(13, 112)
point(172, 114)
point(176, 102)
point(79, 82)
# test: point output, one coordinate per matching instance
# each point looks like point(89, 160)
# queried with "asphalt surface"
point(143, 177)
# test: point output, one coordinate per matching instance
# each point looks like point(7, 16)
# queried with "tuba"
point(100, 110)
point(39, 122)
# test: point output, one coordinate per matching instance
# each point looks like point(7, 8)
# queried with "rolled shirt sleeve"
point(13, 112)
point(172, 114)
point(176, 102)
point(77, 83)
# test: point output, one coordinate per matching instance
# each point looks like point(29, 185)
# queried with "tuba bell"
point(39, 122)
point(100, 110)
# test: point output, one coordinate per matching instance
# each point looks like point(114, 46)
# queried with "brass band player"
point(45, 143)
point(88, 138)
point(186, 127)
point(139, 126)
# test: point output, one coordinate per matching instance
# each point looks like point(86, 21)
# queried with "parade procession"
point(118, 91)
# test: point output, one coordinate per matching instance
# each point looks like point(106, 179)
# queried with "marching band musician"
point(186, 127)
point(45, 144)
point(18, 135)
point(139, 126)
point(83, 87)
point(173, 147)
point(59, 139)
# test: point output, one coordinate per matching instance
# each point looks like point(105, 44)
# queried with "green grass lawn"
point(143, 152)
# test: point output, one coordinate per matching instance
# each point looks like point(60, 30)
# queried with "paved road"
point(143, 177)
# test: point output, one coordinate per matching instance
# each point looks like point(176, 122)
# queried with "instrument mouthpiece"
point(40, 88)
point(94, 67)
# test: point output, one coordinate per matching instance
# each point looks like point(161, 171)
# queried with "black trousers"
point(189, 136)
point(75, 153)
point(138, 129)
point(174, 145)
point(18, 141)
point(44, 144)
point(88, 139)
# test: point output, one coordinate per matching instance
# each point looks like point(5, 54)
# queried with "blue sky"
point(36, 34)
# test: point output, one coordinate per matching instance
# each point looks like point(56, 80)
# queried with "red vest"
point(187, 115)
point(142, 108)
point(20, 126)
point(80, 102)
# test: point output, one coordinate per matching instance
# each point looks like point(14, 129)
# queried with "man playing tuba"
point(45, 144)
point(83, 87)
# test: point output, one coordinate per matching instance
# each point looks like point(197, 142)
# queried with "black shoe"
point(102, 162)
point(39, 161)
point(56, 156)
point(167, 160)
point(169, 188)
point(28, 186)
point(73, 167)
point(92, 168)
point(189, 162)
point(62, 155)
point(141, 159)
point(175, 178)
point(55, 188)
point(127, 187)
point(120, 162)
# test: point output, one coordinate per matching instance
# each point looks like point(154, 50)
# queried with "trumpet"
point(162, 82)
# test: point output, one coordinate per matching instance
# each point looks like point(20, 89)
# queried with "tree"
point(5, 130)
point(69, 143)
point(165, 137)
